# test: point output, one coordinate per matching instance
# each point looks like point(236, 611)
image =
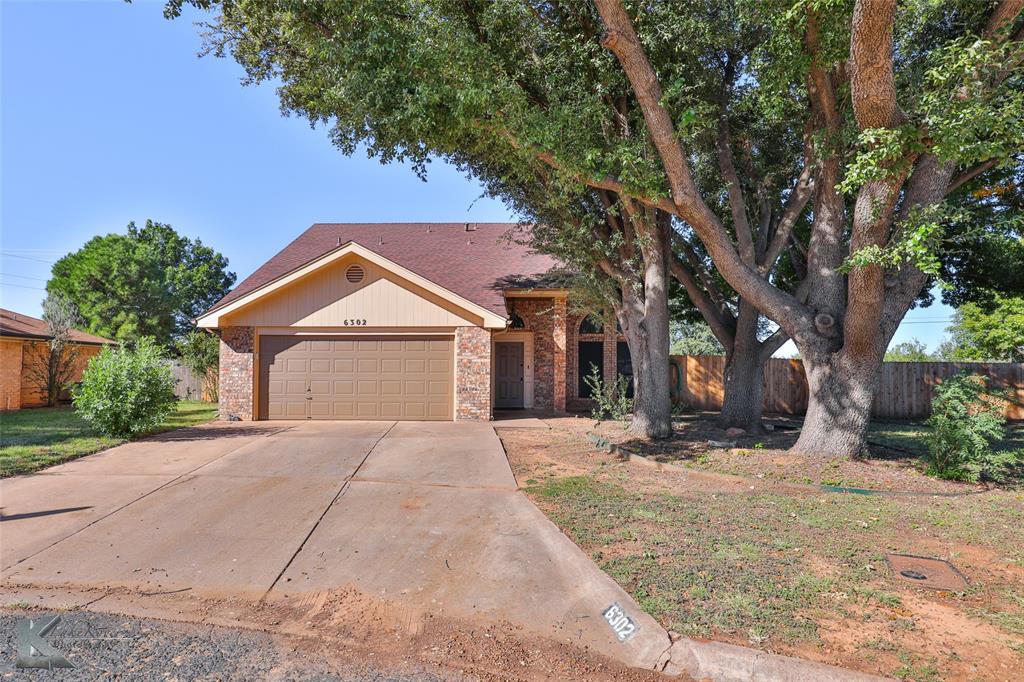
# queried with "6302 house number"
point(354, 323)
point(621, 624)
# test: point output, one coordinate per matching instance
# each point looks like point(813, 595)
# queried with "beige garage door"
point(407, 377)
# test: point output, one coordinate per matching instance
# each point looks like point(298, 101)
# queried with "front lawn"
point(33, 439)
point(761, 563)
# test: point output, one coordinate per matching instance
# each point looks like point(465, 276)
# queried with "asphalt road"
point(116, 647)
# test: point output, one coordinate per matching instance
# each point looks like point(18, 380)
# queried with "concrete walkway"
point(427, 515)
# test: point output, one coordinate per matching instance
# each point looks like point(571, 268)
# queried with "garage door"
point(408, 377)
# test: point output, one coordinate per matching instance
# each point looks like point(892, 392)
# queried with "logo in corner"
point(33, 650)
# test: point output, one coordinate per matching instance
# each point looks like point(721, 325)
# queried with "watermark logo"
point(33, 650)
point(621, 624)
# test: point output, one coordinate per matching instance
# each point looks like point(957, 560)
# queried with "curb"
point(730, 663)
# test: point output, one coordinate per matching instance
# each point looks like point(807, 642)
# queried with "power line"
point(38, 260)
point(20, 286)
point(11, 274)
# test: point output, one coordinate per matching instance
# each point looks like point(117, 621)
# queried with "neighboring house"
point(23, 341)
point(439, 321)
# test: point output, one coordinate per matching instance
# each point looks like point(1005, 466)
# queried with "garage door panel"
point(365, 378)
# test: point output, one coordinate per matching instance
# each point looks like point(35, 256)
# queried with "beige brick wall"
point(10, 374)
point(472, 374)
point(236, 372)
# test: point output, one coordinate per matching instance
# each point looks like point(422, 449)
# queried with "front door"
point(508, 374)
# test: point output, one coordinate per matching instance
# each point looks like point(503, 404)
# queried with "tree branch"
point(873, 85)
point(794, 207)
point(968, 175)
point(1002, 17)
point(741, 223)
point(712, 314)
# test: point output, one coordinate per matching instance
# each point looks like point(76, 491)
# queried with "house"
point(418, 321)
point(23, 343)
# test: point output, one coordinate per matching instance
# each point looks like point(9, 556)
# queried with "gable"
point(326, 298)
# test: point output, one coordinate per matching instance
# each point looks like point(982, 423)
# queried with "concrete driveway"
point(426, 515)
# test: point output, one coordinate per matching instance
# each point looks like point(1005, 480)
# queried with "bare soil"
point(345, 630)
point(738, 549)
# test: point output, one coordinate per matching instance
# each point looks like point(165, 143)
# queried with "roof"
point(23, 326)
point(473, 260)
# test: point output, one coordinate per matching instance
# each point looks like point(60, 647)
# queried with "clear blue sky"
point(109, 116)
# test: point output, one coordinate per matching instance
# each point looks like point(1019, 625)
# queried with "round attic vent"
point(355, 274)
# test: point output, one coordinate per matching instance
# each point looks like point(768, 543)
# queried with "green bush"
point(967, 418)
point(610, 400)
point(126, 391)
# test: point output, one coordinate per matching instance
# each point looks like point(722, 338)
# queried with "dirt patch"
point(347, 628)
point(756, 561)
point(894, 462)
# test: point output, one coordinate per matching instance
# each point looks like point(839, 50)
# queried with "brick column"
point(472, 374)
point(560, 338)
point(236, 372)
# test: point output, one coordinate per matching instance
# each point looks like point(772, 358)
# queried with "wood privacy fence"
point(904, 391)
point(187, 384)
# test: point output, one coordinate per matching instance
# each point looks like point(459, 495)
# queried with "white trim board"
point(491, 320)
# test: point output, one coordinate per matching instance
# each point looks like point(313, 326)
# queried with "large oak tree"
point(875, 118)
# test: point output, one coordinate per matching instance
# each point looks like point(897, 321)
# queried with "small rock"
point(722, 443)
point(769, 427)
point(735, 431)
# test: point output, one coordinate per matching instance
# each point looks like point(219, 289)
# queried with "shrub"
point(610, 400)
point(967, 418)
point(126, 391)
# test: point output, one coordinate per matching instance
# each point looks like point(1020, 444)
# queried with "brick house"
point(23, 342)
point(438, 321)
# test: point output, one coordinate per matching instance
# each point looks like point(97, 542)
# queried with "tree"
point(148, 282)
point(903, 114)
point(200, 352)
point(909, 351)
point(995, 332)
point(51, 364)
point(694, 338)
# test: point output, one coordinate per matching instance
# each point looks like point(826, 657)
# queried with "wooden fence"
point(187, 384)
point(904, 391)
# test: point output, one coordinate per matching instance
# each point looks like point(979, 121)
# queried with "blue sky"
point(109, 116)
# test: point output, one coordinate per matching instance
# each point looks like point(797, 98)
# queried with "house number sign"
point(354, 322)
point(622, 625)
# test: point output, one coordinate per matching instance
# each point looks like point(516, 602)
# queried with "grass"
point(769, 569)
point(34, 439)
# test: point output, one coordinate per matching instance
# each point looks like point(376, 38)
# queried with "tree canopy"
point(993, 332)
point(855, 137)
point(150, 281)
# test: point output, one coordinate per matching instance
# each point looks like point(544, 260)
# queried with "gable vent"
point(355, 274)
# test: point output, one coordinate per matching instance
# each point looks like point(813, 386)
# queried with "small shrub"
point(126, 391)
point(611, 401)
point(200, 352)
point(967, 418)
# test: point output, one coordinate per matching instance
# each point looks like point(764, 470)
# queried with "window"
point(591, 325)
point(516, 322)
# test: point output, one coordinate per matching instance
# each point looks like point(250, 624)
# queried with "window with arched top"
point(591, 325)
point(516, 322)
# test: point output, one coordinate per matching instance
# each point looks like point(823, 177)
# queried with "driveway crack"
point(341, 491)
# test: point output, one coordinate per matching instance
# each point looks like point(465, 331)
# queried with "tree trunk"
point(743, 380)
point(841, 390)
point(644, 320)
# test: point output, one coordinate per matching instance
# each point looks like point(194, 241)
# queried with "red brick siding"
point(10, 374)
point(610, 338)
point(34, 354)
point(236, 372)
point(472, 374)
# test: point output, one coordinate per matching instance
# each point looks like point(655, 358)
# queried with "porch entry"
point(508, 374)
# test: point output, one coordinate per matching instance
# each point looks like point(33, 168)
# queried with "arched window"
point(591, 325)
point(516, 322)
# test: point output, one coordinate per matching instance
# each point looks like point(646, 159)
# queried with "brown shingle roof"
point(23, 326)
point(475, 263)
